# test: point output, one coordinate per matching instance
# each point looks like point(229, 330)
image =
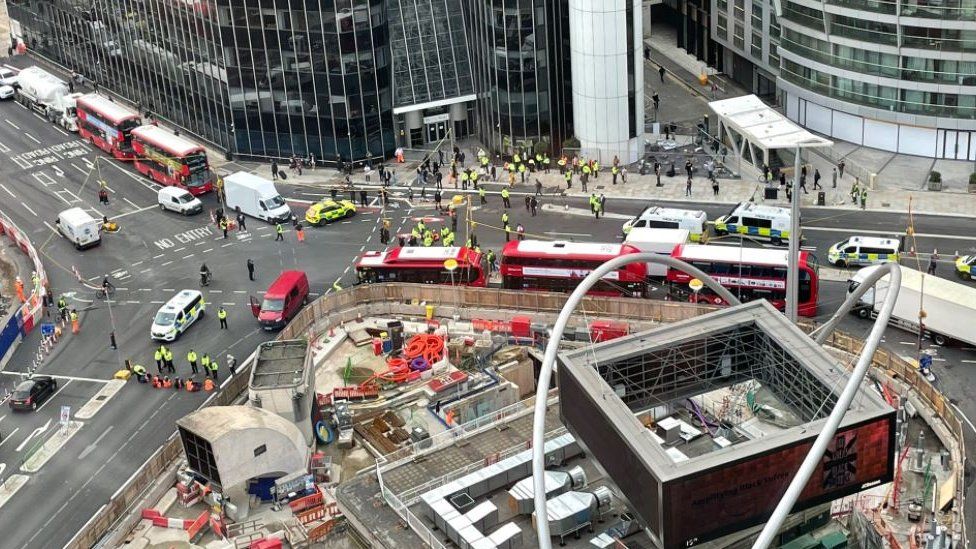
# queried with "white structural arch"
point(820, 444)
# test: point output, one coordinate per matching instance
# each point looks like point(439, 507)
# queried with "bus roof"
point(641, 235)
point(734, 254)
point(111, 111)
point(173, 144)
point(580, 250)
point(417, 255)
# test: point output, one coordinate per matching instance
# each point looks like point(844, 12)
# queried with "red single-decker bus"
point(749, 273)
point(171, 160)
point(560, 266)
point(107, 125)
point(422, 265)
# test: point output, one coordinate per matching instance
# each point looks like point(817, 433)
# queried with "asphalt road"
point(154, 255)
point(157, 254)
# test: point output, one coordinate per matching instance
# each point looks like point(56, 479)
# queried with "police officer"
point(62, 308)
point(428, 240)
point(158, 356)
point(223, 226)
point(569, 178)
point(213, 369)
point(506, 202)
point(205, 362)
point(168, 360)
point(481, 195)
point(614, 170)
point(490, 258)
point(191, 357)
point(140, 372)
point(864, 198)
point(222, 316)
point(508, 232)
point(504, 218)
point(279, 232)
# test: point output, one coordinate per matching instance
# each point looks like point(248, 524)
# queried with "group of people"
point(421, 234)
point(164, 357)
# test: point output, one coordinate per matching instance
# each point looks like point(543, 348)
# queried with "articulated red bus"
point(107, 125)
point(560, 266)
point(422, 265)
point(171, 160)
point(749, 273)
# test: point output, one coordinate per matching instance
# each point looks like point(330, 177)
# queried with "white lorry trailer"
point(950, 307)
point(255, 196)
point(658, 241)
point(47, 94)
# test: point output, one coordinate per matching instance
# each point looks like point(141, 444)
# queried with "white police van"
point(756, 220)
point(863, 251)
point(656, 217)
point(177, 315)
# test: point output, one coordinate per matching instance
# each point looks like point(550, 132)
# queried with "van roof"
point(672, 212)
point(248, 180)
point(180, 300)
point(762, 210)
point(283, 283)
point(76, 215)
point(874, 241)
point(173, 190)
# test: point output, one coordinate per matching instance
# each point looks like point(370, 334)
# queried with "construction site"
point(401, 416)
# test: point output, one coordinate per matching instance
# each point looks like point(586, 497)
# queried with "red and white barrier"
point(166, 522)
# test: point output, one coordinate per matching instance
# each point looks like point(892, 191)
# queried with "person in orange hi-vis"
point(75, 326)
point(19, 284)
point(208, 385)
point(300, 232)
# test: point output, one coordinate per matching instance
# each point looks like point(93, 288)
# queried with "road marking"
point(907, 343)
point(165, 264)
point(91, 447)
point(553, 233)
point(963, 416)
point(137, 263)
point(4, 187)
point(56, 376)
point(154, 302)
point(12, 124)
point(51, 399)
point(229, 304)
point(968, 361)
point(28, 208)
point(9, 436)
point(145, 270)
point(157, 256)
point(240, 291)
point(216, 291)
point(36, 432)
point(130, 302)
point(32, 138)
point(887, 233)
point(225, 245)
point(80, 169)
point(62, 131)
point(188, 256)
point(179, 249)
point(207, 250)
point(131, 203)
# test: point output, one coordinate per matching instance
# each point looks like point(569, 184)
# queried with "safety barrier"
point(488, 304)
point(158, 519)
point(21, 322)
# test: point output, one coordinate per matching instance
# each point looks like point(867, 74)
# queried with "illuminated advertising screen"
point(739, 495)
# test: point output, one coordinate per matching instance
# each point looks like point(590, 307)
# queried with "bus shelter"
point(760, 135)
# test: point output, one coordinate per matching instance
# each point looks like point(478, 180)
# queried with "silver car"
point(6, 92)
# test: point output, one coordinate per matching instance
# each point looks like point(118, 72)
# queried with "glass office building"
point(258, 78)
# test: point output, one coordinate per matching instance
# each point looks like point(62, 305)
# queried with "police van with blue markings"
point(173, 318)
point(863, 251)
point(756, 221)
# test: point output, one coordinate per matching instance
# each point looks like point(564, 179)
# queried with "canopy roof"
point(763, 125)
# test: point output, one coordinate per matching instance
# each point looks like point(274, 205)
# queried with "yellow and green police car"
point(327, 211)
point(863, 251)
point(965, 266)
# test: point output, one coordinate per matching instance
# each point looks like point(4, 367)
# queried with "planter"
point(935, 185)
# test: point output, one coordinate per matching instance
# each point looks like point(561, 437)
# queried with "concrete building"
point(352, 81)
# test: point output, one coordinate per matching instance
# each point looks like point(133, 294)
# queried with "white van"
point(863, 250)
point(80, 228)
point(255, 196)
point(657, 241)
point(656, 217)
point(756, 220)
point(178, 200)
point(177, 315)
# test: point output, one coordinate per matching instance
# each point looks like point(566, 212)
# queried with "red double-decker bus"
point(749, 273)
point(171, 160)
point(422, 265)
point(560, 266)
point(107, 125)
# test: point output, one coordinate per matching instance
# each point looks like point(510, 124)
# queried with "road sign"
point(450, 264)
point(47, 329)
point(65, 415)
point(695, 284)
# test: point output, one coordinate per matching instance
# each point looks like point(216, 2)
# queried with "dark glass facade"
point(261, 78)
point(521, 68)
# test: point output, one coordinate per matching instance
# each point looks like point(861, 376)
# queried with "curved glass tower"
point(898, 75)
point(259, 78)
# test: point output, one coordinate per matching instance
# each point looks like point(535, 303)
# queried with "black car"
point(32, 393)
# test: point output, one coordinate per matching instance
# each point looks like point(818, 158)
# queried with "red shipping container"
point(521, 326)
point(605, 330)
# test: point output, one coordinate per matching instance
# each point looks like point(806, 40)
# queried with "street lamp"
point(793, 270)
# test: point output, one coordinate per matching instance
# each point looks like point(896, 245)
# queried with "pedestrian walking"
point(689, 167)
point(661, 72)
point(506, 201)
point(933, 259)
point(274, 170)
point(688, 187)
point(300, 231)
point(534, 205)
point(592, 202)
point(816, 179)
point(191, 357)
point(528, 203)
point(603, 203)
point(481, 195)
point(437, 199)
point(250, 269)
point(231, 364)
point(840, 168)
point(222, 317)
point(864, 198)
point(803, 183)
point(538, 188)
point(855, 190)
point(363, 196)
point(520, 230)
point(279, 233)
point(657, 173)
point(241, 220)
point(714, 187)
point(834, 178)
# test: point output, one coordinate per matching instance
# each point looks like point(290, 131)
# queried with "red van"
point(281, 303)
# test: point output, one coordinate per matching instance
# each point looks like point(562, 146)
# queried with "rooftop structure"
point(736, 475)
